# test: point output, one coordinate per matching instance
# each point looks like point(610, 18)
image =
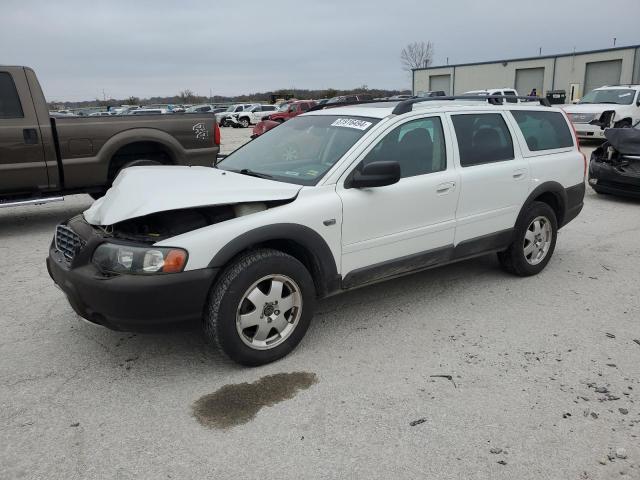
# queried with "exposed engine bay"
point(162, 225)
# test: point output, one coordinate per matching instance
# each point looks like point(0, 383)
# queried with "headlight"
point(111, 257)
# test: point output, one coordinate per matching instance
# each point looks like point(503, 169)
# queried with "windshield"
point(301, 150)
point(284, 107)
point(231, 108)
point(620, 96)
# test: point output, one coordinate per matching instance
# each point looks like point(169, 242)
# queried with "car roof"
point(385, 108)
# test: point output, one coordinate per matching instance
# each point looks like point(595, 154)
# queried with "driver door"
point(410, 224)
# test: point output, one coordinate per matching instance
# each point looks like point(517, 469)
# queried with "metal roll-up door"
point(440, 82)
point(599, 74)
point(529, 78)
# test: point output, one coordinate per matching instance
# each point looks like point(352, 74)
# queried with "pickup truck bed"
point(43, 157)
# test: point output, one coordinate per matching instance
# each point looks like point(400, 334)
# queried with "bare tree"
point(186, 96)
point(416, 55)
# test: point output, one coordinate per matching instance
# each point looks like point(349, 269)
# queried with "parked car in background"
point(622, 100)
point(290, 110)
point(509, 92)
point(286, 111)
point(150, 111)
point(252, 115)
point(615, 165)
point(43, 157)
point(399, 97)
point(223, 117)
point(206, 108)
point(358, 97)
point(430, 93)
point(100, 114)
point(327, 202)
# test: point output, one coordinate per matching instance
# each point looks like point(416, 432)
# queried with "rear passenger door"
point(494, 177)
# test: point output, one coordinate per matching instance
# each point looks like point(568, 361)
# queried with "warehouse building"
point(576, 73)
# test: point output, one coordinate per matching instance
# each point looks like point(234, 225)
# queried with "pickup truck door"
point(22, 164)
point(407, 225)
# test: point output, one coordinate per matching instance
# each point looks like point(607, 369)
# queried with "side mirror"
point(375, 174)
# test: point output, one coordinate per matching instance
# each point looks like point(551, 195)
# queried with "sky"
point(150, 48)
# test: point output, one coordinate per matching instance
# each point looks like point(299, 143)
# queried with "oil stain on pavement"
point(236, 404)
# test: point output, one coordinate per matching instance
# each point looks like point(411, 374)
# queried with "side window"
point(304, 107)
point(266, 108)
point(482, 138)
point(418, 146)
point(543, 130)
point(10, 106)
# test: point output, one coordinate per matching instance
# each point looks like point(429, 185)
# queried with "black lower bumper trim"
point(134, 303)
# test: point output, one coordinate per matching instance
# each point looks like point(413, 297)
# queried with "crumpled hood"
point(625, 140)
point(139, 191)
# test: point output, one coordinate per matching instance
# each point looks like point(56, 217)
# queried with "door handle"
point(30, 136)
point(445, 187)
point(518, 174)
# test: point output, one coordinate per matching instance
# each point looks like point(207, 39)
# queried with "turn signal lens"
point(175, 261)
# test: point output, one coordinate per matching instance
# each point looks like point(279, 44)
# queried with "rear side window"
point(9, 101)
point(304, 107)
point(543, 130)
point(482, 138)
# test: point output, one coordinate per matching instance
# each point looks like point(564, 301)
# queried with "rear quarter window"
point(543, 130)
point(10, 106)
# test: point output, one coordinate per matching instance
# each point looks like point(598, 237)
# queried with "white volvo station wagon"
point(334, 199)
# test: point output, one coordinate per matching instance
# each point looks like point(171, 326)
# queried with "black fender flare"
point(314, 245)
point(554, 188)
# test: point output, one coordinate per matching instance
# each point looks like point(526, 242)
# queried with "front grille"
point(68, 242)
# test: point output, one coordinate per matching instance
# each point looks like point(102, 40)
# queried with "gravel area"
point(457, 372)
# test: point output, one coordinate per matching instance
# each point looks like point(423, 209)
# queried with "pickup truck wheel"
point(260, 307)
point(533, 243)
point(245, 122)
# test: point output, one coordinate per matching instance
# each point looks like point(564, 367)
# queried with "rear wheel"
point(261, 307)
point(534, 241)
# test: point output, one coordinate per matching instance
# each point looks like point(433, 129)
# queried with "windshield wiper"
point(246, 171)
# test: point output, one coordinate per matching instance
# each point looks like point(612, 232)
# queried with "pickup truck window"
point(10, 106)
point(543, 130)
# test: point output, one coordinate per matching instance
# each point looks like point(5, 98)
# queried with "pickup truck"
point(43, 158)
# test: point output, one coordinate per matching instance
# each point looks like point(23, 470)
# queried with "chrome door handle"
point(445, 187)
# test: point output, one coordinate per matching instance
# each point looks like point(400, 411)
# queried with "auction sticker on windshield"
point(351, 123)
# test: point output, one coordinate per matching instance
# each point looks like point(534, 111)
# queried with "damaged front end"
point(615, 165)
point(159, 226)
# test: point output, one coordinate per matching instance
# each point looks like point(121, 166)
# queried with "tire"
point(268, 334)
point(244, 122)
point(531, 248)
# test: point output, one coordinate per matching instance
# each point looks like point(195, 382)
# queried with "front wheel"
point(533, 243)
point(245, 122)
point(261, 307)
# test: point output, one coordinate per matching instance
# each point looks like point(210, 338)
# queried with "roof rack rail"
point(345, 104)
point(406, 106)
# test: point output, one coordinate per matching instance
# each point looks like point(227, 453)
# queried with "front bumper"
point(606, 178)
point(136, 303)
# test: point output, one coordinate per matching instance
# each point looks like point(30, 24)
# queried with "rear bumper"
point(605, 178)
point(137, 303)
point(575, 202)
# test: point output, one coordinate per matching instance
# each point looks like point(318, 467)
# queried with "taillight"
point(216, 134)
